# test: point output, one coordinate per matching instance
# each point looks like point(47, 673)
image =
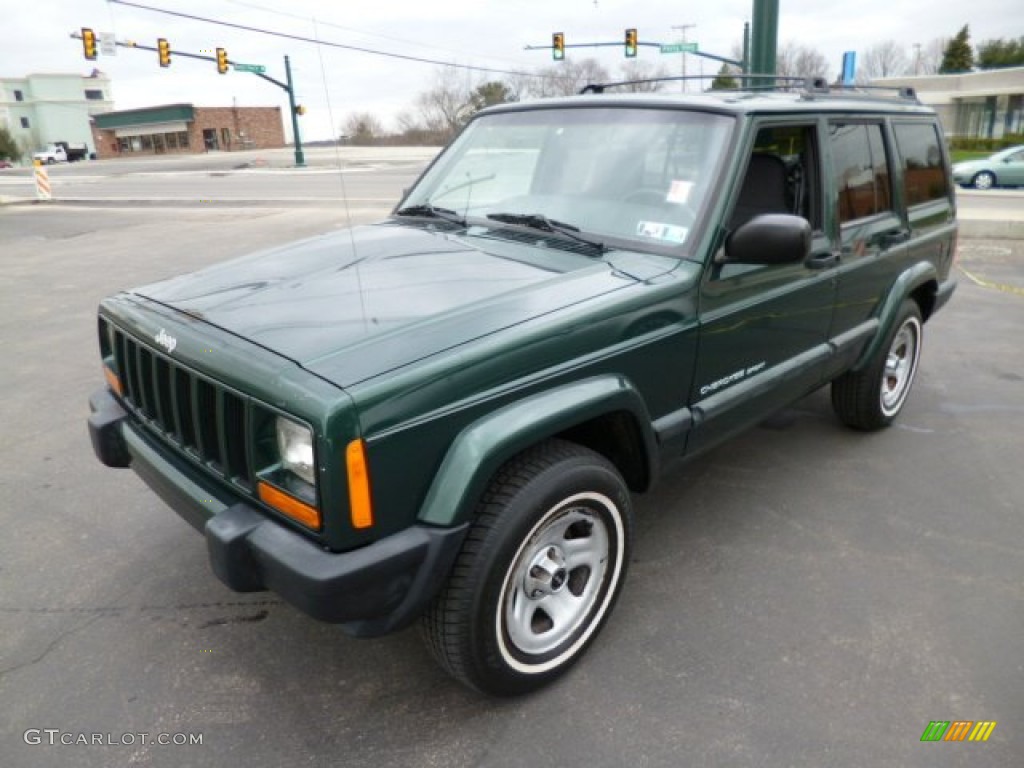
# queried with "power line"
point(364, 33)
point(304, 39)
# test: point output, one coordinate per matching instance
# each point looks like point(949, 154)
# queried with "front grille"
point(201, 418)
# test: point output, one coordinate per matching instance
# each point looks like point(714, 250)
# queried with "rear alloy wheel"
point(538, 574)
point(984, 180)
point(872, 397)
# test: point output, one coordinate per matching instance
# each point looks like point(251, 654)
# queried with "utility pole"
point(681, 28)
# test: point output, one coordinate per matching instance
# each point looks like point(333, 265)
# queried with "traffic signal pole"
point(300, 157)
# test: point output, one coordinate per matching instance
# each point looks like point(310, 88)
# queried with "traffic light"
point(222, 61)
point(630, 43)
point(89, 43)
point(558, 46)
point(300, 110)
point(163, 49)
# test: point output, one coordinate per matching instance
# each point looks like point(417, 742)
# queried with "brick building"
point(184, 128)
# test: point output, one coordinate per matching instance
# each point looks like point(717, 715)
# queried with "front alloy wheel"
point(539, 571)
point(872, 397)
point(984, 180)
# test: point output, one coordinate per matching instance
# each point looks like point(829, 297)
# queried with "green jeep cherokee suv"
point(443, 416)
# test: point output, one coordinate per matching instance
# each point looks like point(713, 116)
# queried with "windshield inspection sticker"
point(659, 231)
point(679, 192)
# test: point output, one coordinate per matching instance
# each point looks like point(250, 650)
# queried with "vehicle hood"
point(357, 303)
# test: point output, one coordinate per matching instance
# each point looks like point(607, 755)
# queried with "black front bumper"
point(373, 590)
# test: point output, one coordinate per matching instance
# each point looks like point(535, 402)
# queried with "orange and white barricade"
point(43, 190)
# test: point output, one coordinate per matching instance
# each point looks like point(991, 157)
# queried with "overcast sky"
point(333, 83)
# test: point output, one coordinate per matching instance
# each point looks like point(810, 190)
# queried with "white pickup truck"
point(62, 152)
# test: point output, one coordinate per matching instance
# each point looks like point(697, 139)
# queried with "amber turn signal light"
point(112, 381)
point(289, 505)
point(360, 505)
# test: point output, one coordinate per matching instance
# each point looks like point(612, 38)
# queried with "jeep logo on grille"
point(166, 340)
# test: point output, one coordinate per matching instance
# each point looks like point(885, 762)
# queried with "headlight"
point(295, 447)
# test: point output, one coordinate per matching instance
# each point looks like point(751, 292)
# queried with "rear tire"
point(538, 574)
point(873, 397)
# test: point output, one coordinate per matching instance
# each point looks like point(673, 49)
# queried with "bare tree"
point(566, 78)
point(642, 70)
point(928, 57)
point(447, 104)
point(884, 59)
point(362, 128)
point(794, 60)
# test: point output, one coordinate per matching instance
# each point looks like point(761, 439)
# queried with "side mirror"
point(771, 238)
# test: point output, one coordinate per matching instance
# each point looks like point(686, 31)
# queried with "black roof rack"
point(808, 87)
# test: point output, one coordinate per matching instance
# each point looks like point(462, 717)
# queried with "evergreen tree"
point(724, 80)
point(8, 146)
point(993, 54)
point(958, 56)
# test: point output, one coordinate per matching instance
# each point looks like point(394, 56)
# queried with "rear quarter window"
point(860, 170)
point(924, 173)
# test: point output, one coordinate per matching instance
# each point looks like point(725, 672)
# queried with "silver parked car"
point(1003, 169)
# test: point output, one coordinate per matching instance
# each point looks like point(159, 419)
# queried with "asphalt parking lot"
point(802, 596)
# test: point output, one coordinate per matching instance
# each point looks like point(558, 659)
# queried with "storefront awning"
point(150, 128)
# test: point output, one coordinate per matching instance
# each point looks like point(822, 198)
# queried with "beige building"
point(44, 108)
point(987, 104)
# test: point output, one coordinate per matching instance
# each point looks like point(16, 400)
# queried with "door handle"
point(893, 237)
point(824, 260)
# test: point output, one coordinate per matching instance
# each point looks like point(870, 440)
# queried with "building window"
point(25, 123)
point(1015, 114)
point(93, 95)
point(171, 140)
point(183, 139)
point(19, 96)
point(225, 138)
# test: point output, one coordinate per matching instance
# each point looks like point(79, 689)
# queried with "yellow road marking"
point(987, 284)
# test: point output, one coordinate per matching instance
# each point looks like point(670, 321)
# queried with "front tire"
point(984, 180)
point(538, 574)
point(873, 397)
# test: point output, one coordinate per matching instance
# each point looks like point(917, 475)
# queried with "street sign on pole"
point(679, 48)
point(256, 69)
point(108, 44)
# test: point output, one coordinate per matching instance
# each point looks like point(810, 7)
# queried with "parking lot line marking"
point(987, 284)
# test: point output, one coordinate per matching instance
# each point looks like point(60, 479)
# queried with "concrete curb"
point(991, 229)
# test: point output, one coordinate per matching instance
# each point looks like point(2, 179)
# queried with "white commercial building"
point(988, 104)
point(42, 108)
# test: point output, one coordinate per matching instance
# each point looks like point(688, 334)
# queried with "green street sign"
point(679, 48)
point(256, 69)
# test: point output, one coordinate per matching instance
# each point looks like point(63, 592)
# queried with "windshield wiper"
point(432, 211)
point(544, 224)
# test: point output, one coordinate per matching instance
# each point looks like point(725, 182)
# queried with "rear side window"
point(859, 170)
point(924, 175)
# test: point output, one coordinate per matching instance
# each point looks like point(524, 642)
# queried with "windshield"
point(631, 177)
